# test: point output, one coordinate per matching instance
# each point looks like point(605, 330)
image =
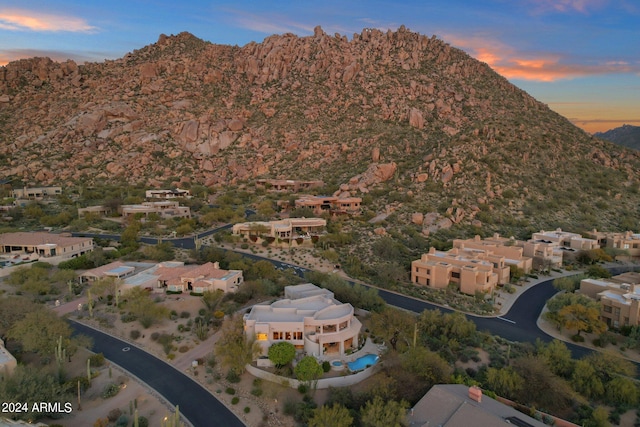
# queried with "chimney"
point(475, 393)
point(216, 265)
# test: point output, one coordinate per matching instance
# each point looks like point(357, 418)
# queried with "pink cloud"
point(27, 20)
point(566, 6)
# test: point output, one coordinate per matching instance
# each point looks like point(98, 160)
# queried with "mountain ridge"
point(183, 110)
point(625, 135)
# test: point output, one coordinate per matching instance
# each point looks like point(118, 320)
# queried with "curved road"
point(196, 403)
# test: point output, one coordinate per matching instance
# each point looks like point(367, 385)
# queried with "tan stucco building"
point(627, 241)
point(164, 209)
point(437, 269)
point(310, 318)
point(290, 185)
point(177, 277)
point(619, 298)
point(35, 193)
point(502, 256)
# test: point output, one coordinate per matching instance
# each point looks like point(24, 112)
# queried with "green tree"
point(233, 348)
point(261, 270)
point(331, 416)
point(599, 418)
point(282, 353)
point(621, 391)
point(129, 237)
point(505, 381)
point(381, 413)
point(146, 311)
point(14, 309)
point(212, 298)
point(581, 318)
point(39, 332)
point(567, 284)
point(308, 369)
point(427, 365)
point(543, 388)
point(28, 384)
point(396, 326)
point(557, 356)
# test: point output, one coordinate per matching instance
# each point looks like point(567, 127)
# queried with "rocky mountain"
point(625, 135)
point(451, 139)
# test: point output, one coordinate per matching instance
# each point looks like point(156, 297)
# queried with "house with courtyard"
point(437, 269)
point(178, 277)
point(50, 247)
point(308, 317)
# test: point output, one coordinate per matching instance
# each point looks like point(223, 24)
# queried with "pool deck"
point(369, 348)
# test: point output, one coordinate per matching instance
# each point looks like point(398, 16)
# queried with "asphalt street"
point(196, 403)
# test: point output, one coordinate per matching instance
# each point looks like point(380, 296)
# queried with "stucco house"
point(289, 228)
point(197, 278)
point(330, 204)
point(308, 317)
point(627, 241)
point(164, 209)
point(167, 194)
point(288, 184)
point(35, 193)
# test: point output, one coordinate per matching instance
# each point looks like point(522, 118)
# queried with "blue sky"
point(581, 57)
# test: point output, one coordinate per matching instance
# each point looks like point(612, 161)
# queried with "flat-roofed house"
point(177, 277)
point(116, 270)
point(330, 204)
point(316, 323)
point(54, 247)
point(437, 269)
point(167, 194)
point(35, 193)
point(164, 209)
point(288, 184)
point(289, 228)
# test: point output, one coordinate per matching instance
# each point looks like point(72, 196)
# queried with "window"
point(606, 309)
point(261, 336)
point(455, 275)
point(297, 335)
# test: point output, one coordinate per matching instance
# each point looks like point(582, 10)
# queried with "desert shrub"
point(155, 336)
point(235, 400)
point(577, 338)
point(232, 376)
point(326, 366)
point(97, 359)
point(134, 334)
point(302, 388)
point(143, 422)
point(114, 414)
point(110, 390)
point(128, 317)
point(183, 348)
point(247, 409)
point(202, 311)
point(185, 314)
point(230, 390)
point(123, 421)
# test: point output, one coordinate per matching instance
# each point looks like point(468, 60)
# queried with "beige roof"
point(38, 238)
point(449, 405)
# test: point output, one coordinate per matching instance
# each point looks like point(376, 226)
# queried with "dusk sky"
point(581, 57)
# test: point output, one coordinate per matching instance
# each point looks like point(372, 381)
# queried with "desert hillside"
point(444, 134)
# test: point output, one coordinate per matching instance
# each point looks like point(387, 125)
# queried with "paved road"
point(196, 403)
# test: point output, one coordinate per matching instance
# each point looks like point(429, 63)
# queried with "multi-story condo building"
point(310, 318)
point(438, 269)
point(502, 256)
point(627, 241)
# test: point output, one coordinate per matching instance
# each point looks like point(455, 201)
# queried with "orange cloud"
point(544, 67)
point(27, 20)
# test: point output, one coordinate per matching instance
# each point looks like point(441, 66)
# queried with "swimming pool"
point(363, 362)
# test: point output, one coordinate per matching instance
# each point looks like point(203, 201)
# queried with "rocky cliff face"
point(318, 107)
